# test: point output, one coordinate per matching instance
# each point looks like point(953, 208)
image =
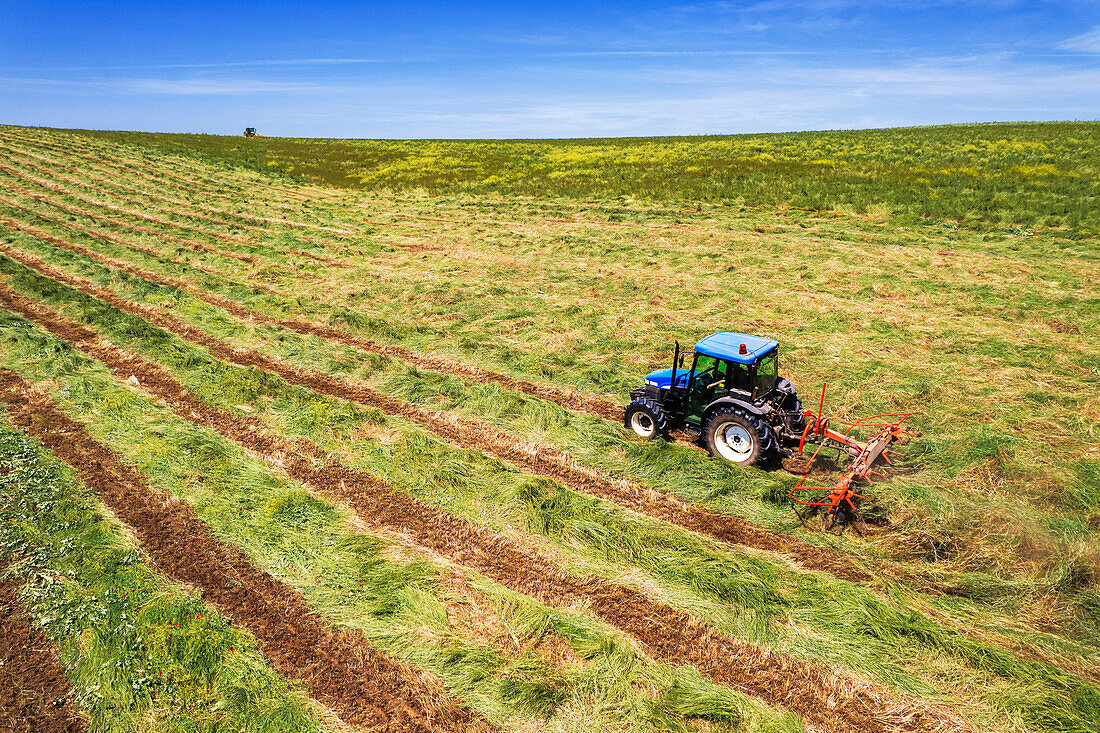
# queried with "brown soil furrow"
point(34, 693)
point(148, 217)
point(155, 197)
point(825, 700)
point(468, 433)
point(362, 685)
point(189, 243)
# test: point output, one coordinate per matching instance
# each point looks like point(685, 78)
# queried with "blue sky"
point(564, 69)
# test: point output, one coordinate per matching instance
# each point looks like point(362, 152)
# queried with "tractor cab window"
point(704, 371)
point(709, 374)
point(767, 372)
point(740, 377)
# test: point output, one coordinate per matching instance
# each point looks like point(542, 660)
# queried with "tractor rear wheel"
point(646, 418)
point(738, 436)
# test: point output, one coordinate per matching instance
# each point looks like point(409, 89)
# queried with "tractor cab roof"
point(727, 345)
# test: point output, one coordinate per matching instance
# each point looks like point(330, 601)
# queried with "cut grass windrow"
point(34, 694)
point(567, 398)
point(362, 685)
point(170, 177)
point(157, 220)
point(131, 169)
point(177, 202)
point(825, 700)
point(979, 656)
point(466, 432)
point(190, 213)
point(189, 243)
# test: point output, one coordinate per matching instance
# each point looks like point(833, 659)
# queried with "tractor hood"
point(662, 379)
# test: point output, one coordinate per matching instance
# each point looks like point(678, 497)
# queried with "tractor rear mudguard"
point(721, 402)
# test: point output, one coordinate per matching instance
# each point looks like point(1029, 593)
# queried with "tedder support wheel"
point(738, 436)
point(646, 418)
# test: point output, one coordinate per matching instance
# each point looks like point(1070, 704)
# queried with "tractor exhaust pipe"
point(675, 361)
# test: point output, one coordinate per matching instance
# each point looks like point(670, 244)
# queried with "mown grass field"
point(323, 435)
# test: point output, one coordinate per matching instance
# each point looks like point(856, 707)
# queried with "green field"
point(990, 176)
point(382, 378)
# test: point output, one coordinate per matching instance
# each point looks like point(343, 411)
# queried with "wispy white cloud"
point(1088, 42)
point(254, 63)
point(216, 86)
point(197, 86)
point(777, 6)
point(694, 52)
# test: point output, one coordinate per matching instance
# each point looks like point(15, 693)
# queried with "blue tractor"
point(732, 397)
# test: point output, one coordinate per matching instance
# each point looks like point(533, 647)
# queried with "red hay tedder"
point(839, 505)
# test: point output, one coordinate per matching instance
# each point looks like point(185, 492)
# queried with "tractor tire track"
point(177, 202)
point(34, 693)
point(362, 685)
point(825, 700)
point(164, 222)
point(469, 433)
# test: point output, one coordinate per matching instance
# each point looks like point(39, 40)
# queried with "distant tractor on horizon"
point(250, 132)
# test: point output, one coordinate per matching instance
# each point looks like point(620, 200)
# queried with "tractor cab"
point(250, 132)
point(724, 363)
point(731, 395)
point(731, 364)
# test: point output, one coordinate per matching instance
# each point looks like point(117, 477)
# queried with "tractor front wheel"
point(738, 437)
point(646, 418)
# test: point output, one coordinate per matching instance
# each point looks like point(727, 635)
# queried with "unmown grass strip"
point(821, 697)
point(982, 657)
point(362, 685)
point(955, 172)
point(34, 693)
